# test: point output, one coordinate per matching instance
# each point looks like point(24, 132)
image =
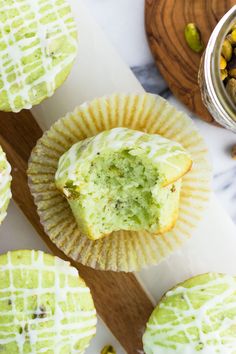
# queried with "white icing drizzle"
point(158, 149)
point(208, 329)
point(5, 180)
point(39, 38)
point(43, 324)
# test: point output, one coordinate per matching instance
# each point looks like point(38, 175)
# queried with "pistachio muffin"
point(45, 307)
point(5, 184)
point(127, 171)
point(196, 317)
point(38, 45)
point(123, 179)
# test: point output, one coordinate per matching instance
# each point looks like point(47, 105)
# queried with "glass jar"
point(214, 94)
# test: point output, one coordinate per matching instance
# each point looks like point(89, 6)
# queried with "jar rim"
point(215, 87)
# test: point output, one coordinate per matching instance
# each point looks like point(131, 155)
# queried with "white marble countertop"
point(123, 23)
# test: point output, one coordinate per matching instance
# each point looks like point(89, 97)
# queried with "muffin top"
point(118, 179)
point(38, 45)
point(172, 160)
point(45, 307)
point(5, 181)
point(198, 316)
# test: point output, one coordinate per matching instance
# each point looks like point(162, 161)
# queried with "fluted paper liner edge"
point(123, 250)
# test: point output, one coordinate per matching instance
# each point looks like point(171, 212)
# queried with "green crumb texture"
point(45, 307)
point(5, 185)
point(197, 317)
point(123, 179)
point(38, 45)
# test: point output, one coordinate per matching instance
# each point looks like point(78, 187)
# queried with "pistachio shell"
point(193, 37)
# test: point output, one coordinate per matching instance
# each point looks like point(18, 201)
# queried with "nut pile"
point(228, 63)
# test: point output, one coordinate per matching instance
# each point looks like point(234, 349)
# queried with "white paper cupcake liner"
point(123, 250)
point(5, 185)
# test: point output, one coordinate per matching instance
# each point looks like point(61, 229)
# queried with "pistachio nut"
point(193, 37)
point(233, 27)
point(227, 50)
point(108, 349)
point(231, 89)
point(223, 63)
point(232, 37)
point(223, 74)
point(232, 72)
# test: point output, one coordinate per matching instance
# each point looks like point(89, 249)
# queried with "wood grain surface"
point(120, 300)
point(165, 23)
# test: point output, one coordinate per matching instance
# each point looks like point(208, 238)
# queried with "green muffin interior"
point(123, 179)
point(119, 193)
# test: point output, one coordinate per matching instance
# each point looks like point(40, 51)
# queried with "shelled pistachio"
point(223, 74)
point(231, 88)
point(227, 50)
point(232, 73)
point(232, 37)
point(228, 63)
point(193, 37)
point(108, 349)
point(223, 63)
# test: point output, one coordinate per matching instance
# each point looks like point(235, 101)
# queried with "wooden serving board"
point(119, 298)
point(165, 23)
